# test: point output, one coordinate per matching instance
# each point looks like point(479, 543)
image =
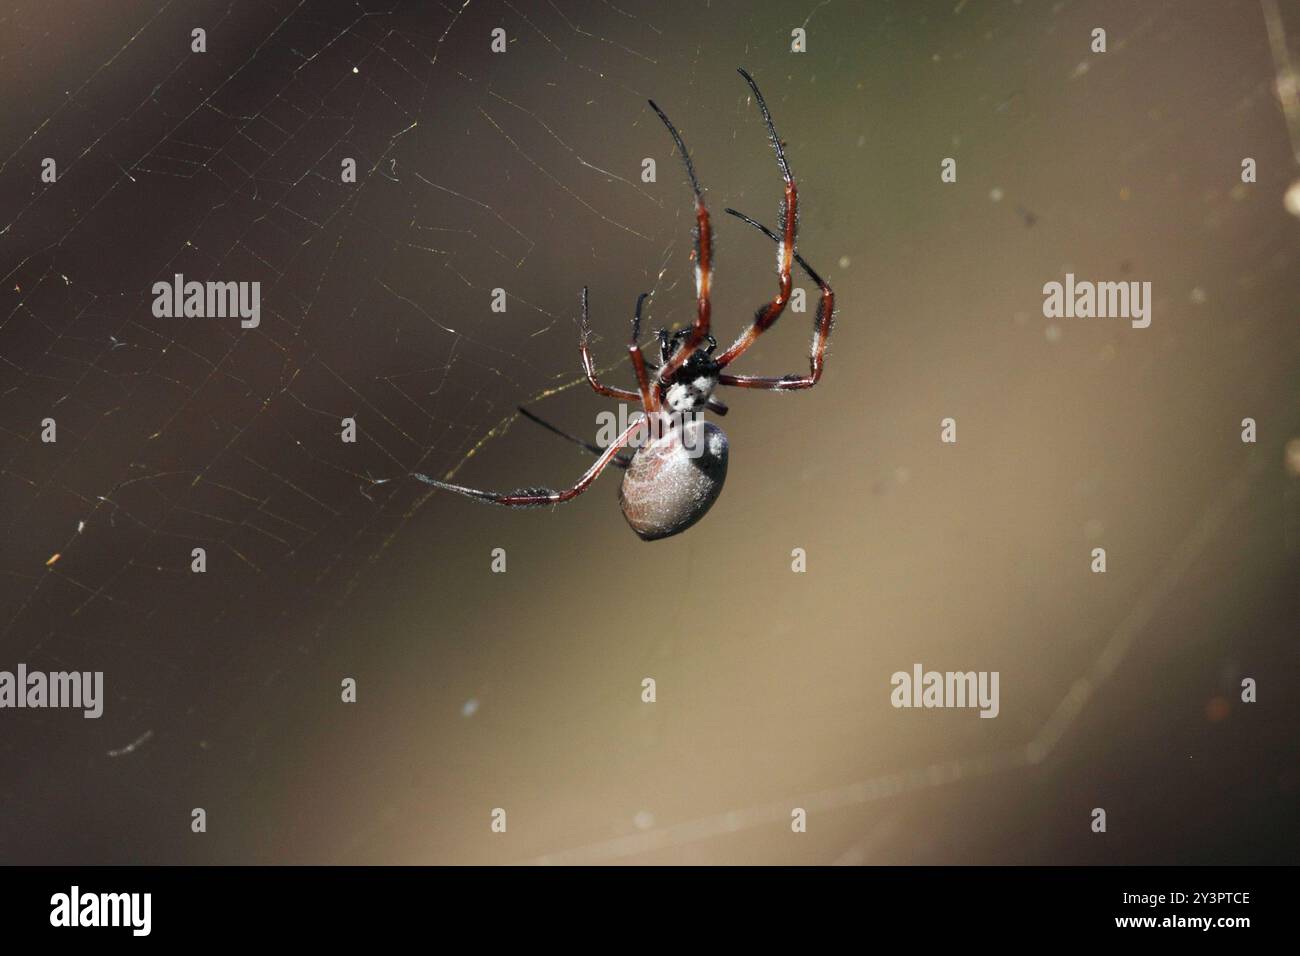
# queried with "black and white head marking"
point(691, 385)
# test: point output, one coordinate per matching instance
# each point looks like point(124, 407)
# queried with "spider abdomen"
point(672, 481)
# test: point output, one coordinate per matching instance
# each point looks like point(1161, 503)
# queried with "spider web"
point(246, 164)
point(476, 171)
point(376, 305)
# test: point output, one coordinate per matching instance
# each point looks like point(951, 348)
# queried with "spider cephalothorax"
point(691, 386)
point(677, 472)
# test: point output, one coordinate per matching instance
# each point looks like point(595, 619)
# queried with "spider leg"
point(703, 262)
point(767, 314)
point(821, 331)
point(588, 366)
point(649, 395)
point(596, 450)
point(533, 497)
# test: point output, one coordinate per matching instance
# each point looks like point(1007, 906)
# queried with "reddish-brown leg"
point(649, 393)
point(533, 497)
point(821, 332)
point(703, 262)
point(767, 314)
point(588, 366)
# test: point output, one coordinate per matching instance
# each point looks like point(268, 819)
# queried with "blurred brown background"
point(522, 690)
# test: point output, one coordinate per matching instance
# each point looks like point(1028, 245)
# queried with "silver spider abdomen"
point(673, 481)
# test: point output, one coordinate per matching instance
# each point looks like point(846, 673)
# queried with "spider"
point(674, 477)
